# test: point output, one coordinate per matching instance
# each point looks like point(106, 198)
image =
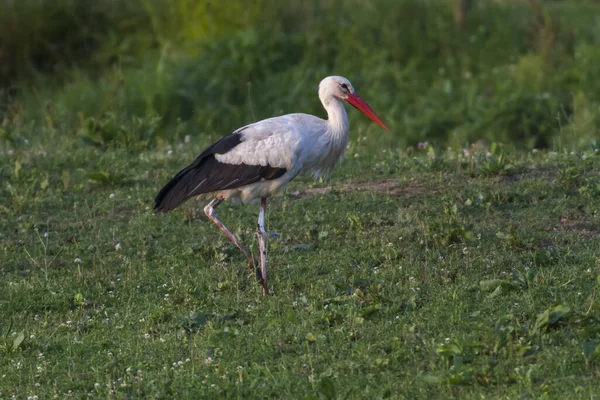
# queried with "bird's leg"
point(262, 246)
point(209, 210)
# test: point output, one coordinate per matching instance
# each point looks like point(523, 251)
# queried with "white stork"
point(259, 159)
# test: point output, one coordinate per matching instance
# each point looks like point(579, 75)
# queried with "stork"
point(257, 160)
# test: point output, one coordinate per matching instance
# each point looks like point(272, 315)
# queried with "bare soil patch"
point(389, 186)
point(578, 226)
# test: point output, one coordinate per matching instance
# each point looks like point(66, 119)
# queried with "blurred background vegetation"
point(147, 72)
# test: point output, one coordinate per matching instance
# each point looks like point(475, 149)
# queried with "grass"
point(185, 64)
point(417, 271)
point(434, 273)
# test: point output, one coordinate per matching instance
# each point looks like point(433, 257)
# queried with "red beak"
point(362, 105)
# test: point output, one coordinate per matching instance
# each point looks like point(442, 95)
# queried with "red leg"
point(262, 235)
point(209, 210)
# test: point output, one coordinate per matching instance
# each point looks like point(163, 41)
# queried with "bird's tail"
point(175, 192)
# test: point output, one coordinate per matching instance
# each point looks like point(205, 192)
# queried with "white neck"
point(336, 133)
point(337, 122)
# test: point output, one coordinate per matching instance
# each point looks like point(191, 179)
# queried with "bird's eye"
point(344, 86)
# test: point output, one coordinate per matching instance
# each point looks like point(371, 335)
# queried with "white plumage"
point(259, 159)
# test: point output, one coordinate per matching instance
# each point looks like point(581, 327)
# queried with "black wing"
point(206, 174)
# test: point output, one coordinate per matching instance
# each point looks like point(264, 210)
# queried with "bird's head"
point(341, 88)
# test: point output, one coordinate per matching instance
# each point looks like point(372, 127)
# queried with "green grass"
point(511, 74)
point(412, 273)
point(428, 274)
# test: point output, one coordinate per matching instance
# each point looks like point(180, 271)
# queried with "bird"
point(258, 160)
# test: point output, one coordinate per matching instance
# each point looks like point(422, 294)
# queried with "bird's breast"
point(325, 155)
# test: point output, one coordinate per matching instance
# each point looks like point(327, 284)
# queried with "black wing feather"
point(206, 174)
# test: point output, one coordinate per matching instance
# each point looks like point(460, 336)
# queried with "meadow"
point(453, 257)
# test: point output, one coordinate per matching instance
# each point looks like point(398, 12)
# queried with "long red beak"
point(362, 105)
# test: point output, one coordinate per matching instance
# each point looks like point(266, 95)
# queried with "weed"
point(432, 272)
point(388, 282)
point(187, 64)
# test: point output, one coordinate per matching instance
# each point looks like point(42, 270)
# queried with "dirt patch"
point(389, 186)
point(578, 229)
point(577, 226)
